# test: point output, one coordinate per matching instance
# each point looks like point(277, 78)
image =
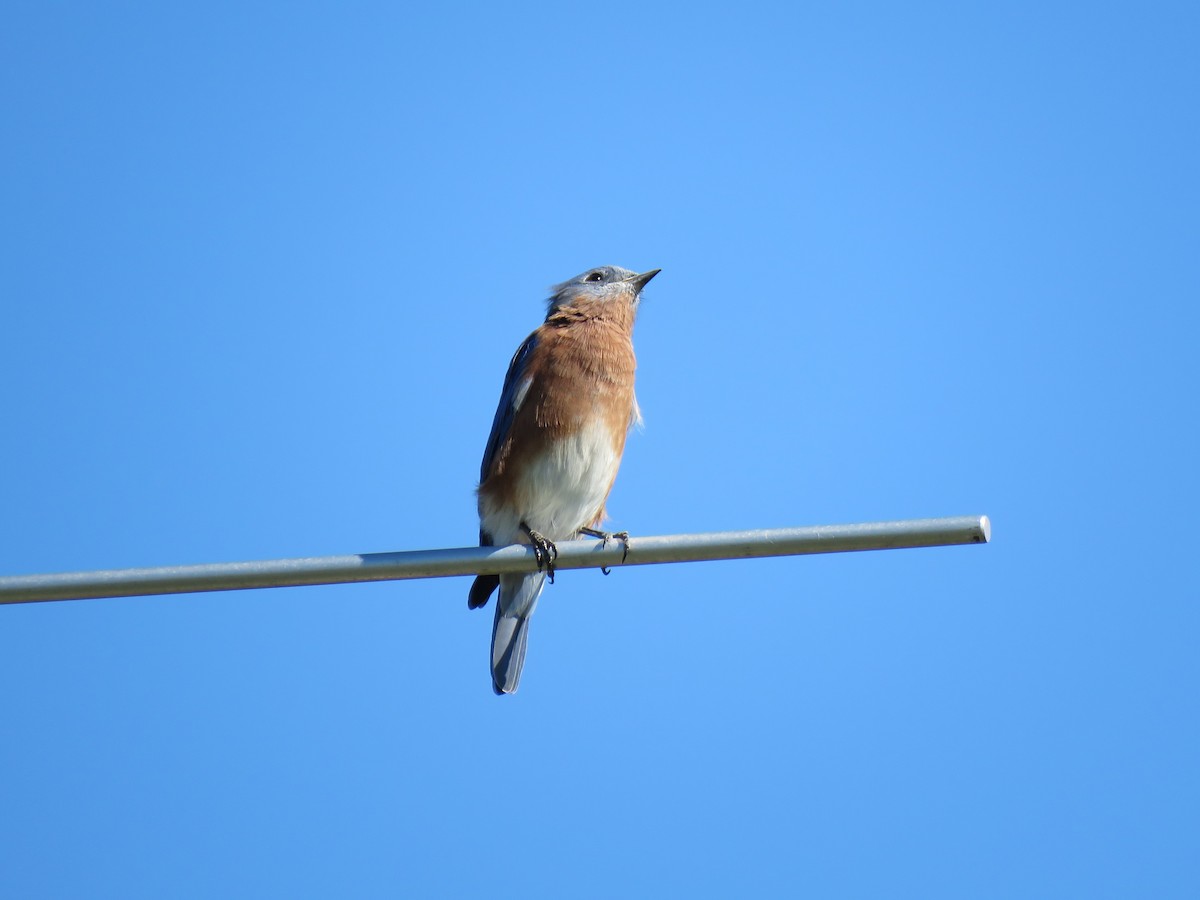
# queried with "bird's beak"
point(640, 281)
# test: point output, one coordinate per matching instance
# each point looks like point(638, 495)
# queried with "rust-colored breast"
point(581, 371)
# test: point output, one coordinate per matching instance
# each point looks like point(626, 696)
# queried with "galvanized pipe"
point(484, 560)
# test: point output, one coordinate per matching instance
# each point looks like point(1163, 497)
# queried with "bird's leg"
point(605, 537)
point(544, 551)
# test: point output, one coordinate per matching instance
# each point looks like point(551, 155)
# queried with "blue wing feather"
point(510, 402)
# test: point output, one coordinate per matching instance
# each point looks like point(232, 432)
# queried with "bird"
point(556, 443)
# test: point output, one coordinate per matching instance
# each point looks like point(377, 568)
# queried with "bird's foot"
point(605, 537)
point(544, 551)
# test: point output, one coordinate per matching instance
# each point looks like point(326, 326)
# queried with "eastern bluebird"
point(556, 443)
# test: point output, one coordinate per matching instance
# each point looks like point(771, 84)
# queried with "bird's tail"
point(518, 597)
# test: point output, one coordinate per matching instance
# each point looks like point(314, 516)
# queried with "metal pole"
point(484, 560)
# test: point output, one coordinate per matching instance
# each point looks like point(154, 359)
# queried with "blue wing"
point(516, 386)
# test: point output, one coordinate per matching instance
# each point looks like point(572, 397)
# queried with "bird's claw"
point(624, 536)
point(605, 537)
point(544, 552)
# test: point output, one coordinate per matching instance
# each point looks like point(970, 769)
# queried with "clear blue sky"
point(262, 268)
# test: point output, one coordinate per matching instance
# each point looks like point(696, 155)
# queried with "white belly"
point(560, 491)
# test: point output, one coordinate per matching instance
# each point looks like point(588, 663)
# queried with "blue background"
point(263, 267)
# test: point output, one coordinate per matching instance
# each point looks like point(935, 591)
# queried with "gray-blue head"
point(602, 284)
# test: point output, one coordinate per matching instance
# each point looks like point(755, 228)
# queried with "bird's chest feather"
point(562, 487)
point(578, 412)
point(567, 437)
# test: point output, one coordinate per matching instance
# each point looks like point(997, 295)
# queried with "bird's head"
point(603, 284)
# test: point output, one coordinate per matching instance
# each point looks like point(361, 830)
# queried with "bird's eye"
point(595, 276)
